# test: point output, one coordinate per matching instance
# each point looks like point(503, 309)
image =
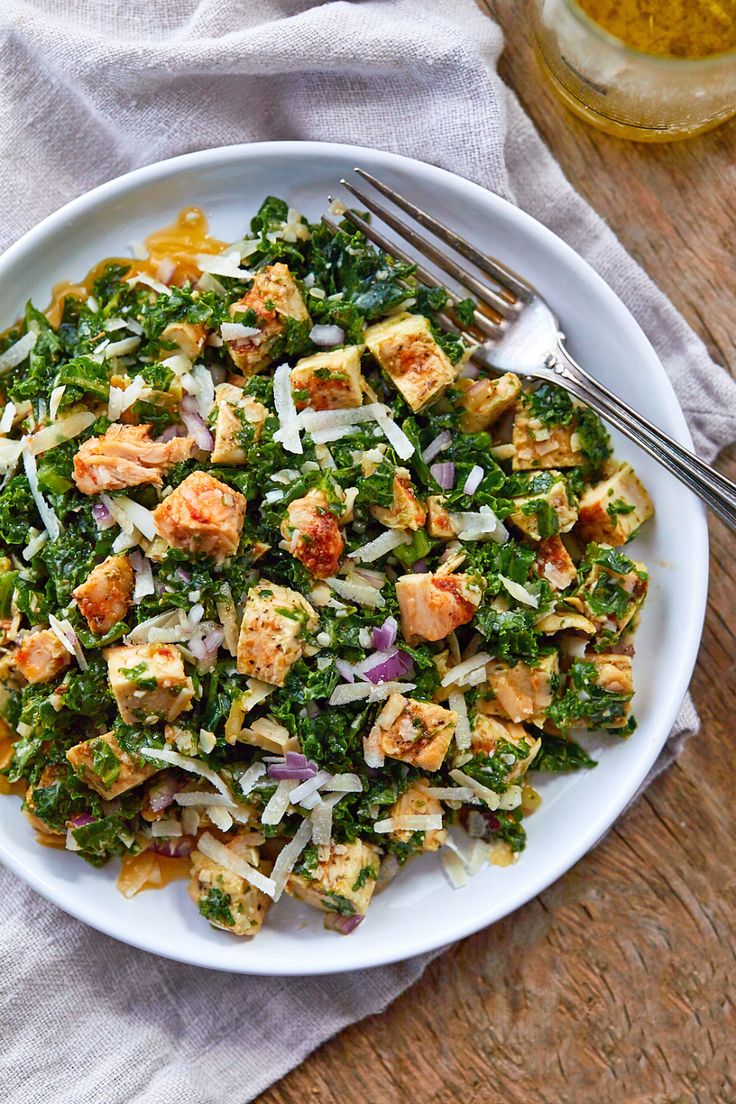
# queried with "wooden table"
point(616, 985)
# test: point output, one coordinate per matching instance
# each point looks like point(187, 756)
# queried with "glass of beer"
point(649, 70)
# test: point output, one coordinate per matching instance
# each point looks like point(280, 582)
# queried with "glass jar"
point(628, 93)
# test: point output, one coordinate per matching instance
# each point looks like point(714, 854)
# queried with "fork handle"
point(709, 485)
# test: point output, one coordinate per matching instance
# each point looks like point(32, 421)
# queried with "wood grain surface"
point(616, 985)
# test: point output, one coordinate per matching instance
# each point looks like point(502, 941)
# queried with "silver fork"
point(520, 333)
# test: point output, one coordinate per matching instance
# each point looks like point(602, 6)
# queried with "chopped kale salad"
point(293, 589)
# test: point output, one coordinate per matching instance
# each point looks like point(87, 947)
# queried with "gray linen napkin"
point(89, 90)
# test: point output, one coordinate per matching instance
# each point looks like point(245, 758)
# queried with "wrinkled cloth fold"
point(90, 90)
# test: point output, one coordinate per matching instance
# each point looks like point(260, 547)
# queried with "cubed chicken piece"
point(409, 355)
point(273, 296)
point(107, 767)
point(41, 656)
point(415, 732)
point(547, 507)
point(416, 802)
point(224, 898)
point(609, 703)
point(273, 632)
point(342, 881)
point(406, 511)
point(554, 563)
point(186, 337)
point(127, 457)
point(439, 522)
point(49, 776)
point(149, 682)
point(312, 534)
point(329, 381)
point(236, 412)
point(105, 595)
point(433, 605)
point(612, 597)
point(202, 515)
point(610, 512)
point(489, 733)
point(522, 692)
point(541, 446)
point(485, 400)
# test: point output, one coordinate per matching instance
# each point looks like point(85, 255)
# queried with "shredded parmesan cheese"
point(462, 729)
point(288, 856)
point(188, 764)
point(381, 546)
point(17, 353)
point(456, 675)
point(219, 853)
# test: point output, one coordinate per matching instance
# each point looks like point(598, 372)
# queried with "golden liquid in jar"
point(668, 28)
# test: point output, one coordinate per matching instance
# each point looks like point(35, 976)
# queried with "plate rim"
point(380, 955)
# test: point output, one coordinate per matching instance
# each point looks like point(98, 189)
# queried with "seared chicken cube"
point(610, 512)
point(341, 881)
point(541, 446)
point(416, 802)
point(224, 898)
point(108, 768)
point(433, 605)
point(41, 656)
point(489, 735)
point(614, 676)
point(105, 595)
point(202, 515)
point(312, 534)
point(329, 381)
point(521, 692)
point(546, 509)
point(439, 522)
point(485, 400)
point(273, 631)
point(273, 296)
point(149, 682)
point(236, 412)
point(554, 563)
point(409, 355)
point(127, 457)
point(406, 511)
point(415, 732)
point(613, 590)
point(187, 337)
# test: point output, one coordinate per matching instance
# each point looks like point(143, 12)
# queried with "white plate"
point(419, 911)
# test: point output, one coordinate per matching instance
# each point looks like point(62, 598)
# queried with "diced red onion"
point(136, 560)
point(345, 670)
point(198, 430)
point(312, 710)
point(184, 575)
point(346, 924)
point(179, 848)
point(205, 648)
point(373, 578)
point(189, 404)
point(102, 516)
point(296, 759)
point(470, 371)
point(474, 480)
point(442, 441)
point(163, 791)
point(81, 820)
point(171, 432)
point(393, 666)
point(419, 567)
point(385, 637)
point(327, 335)
point(280, 772)
point(444, 474)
